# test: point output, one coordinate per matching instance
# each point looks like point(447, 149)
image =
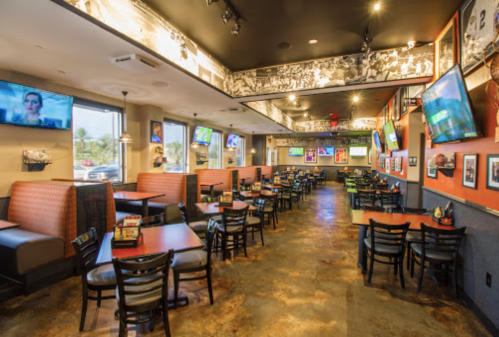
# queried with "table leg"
point(212, 193)
point(361, 260)
point(145, 209)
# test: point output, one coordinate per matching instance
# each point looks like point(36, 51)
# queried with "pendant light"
point(195, 144)
point(253, 150)
point(230, 145)
point(125, 137)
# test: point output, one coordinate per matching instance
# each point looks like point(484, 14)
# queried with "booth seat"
point(228, 178)
point(249, 172)
point(173, 185)
point(39, 250)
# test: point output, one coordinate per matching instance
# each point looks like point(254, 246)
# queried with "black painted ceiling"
point(370, 104)
point(338, 25)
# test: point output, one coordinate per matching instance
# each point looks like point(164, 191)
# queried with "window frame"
point(103, 108)
point(242, 144)
point(186, 144)
point(220, 150)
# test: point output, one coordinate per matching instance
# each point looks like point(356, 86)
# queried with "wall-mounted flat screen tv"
point(447, 108)
point(296, 152)
point(377, 142)
point(392, 140)
point(327, 151)
point(27, 106)
point(358, 151)
point(232, 140)
point(202, 135)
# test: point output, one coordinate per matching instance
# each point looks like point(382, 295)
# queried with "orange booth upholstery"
point(249, 172)
point(267, 171)
point(227, 177)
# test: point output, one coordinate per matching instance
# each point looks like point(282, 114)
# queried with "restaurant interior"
point(249, 168)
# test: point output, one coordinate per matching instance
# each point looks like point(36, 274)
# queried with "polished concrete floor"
point(304, 282)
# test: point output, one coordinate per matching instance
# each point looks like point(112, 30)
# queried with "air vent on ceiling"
point(235, 111)
point(135, 63)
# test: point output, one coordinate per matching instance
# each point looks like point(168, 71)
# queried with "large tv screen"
point(327, 151)
point(358, 151)
point(27, 106)
point(202, 135)
point(448, 110)
point(296, 152)
point(377, 142)
point(232, 140)
point(392, 140)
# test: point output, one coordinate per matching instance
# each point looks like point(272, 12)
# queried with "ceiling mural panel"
point(337, 141)
point(357, 124)
point(377, 66)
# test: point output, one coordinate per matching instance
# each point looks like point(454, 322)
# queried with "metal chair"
point(233, 226)
point(254, 222)
point(93, 278)
point(365, 198)
point(199, 227)
point(143, 290)
point(390, 200)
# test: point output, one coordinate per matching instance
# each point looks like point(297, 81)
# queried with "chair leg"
point(454, 278)
point(408, 255)
point(84, 307)
point(421, 274)
point(166, 321)
point(224, 246)
point(261, 233)
point(412, 264)
point(395, 266)
point(244, 244)
point(371, 267)
point(99, 298)
point(176, 281)
point(123, 327)
point(210, 290)
point(401, 271)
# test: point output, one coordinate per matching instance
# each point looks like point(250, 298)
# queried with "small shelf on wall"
point(36, 167)
point(448, 172)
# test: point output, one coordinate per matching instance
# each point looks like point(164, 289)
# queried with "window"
point(215, 151)
point(240, 152)
point(96, 147)
point(174, 135)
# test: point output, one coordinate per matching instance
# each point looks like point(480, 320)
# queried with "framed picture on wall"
point(387, 164)
point(431, 172)
point(311, 156)
point(340, 156)
point(470, 169)
point(446, 46)
point(493, 172)
point(370, 157)
point(396, 107)
point(381, 161)
point(156, 132)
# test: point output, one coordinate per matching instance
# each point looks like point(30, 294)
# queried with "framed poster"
point(370, 158)
point(477, 32)
point(493, 172)
point(446, 49)
point(156, 132)
point(470, 169)
point(381, 161)
point(387, 165)
point(431, 172)
point(340, 156)
point(311, 156)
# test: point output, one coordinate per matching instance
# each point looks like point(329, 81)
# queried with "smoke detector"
point(135, 64)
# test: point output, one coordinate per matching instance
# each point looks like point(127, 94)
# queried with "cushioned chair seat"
point(189, 260)
point(141, 299)
point(380, 248)
point(231, 229)
point(217, 218)
point(101, 276)
point(199, 226)
point(413, 236)
point(248, 202)
point(252, 220)
point(268, 209)
point(432, 254)
point(22, 251)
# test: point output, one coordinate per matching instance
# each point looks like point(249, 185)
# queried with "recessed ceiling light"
point(292, 97)
point(313, 41)
point(284, 45)
point(356, 99)
point(377, 6)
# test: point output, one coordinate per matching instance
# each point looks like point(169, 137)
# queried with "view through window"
point(215, 151)
point(175, 146)
point(240, 152)
point(96, 150)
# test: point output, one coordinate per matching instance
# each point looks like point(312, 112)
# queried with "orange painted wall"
point(485, 116)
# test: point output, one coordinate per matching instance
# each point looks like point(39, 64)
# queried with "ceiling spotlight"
point(356, 99)
point(313, 41)
point(235, 29)
point(377, 6)
point(292, 97)
point(209, 2)
point(305, 114)
point(227, 16)
point(411, 44)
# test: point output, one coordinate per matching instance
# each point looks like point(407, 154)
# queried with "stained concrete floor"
point(304, 282)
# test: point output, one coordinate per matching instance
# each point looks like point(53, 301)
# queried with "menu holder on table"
point(277, 181)
point(226, 199)
point(256, 187)
point(128, 234)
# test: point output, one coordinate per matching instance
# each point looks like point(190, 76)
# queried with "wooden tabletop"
point(157, 240)
point(272, 186)
point(134, 196)
point(250, 194)
point(361, 218)
point(210, 208)
point(7, 225)
point(209, 184)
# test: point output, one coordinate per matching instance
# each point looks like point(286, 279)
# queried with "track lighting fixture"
point(235, 30)
point(226, 16)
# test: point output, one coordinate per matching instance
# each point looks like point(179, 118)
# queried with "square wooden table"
point(212, 208)
point(7, 225)
point(361, 218)
point(210, 185)
point(157, 240)
point(136, 196)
